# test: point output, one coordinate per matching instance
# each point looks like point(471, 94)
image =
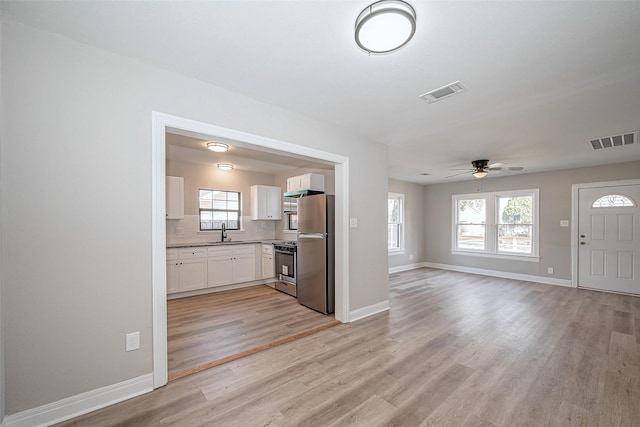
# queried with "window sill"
point(290, 231)
point(527, 258)
point(396, 252)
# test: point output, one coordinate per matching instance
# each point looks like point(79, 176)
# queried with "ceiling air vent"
point(613, 141)
point(443, 92)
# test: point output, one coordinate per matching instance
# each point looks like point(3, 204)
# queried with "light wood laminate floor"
point(454, 350)
point(205, 329)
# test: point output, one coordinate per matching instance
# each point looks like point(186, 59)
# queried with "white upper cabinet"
point(309, 181)
point(266, 202)
point(175, 197)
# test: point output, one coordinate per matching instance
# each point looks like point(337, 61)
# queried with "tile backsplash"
point(187, 230)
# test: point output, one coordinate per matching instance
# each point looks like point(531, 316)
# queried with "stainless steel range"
point(286, 267)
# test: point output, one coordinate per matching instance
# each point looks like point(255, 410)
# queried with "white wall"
point(555, 205)
point(414, 223)
point(2, 372)
point(76, 230)
point(201, 175)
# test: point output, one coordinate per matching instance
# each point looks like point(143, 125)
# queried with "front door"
point(609, 238)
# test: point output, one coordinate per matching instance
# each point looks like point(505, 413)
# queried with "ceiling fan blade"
point(499, 168)
point(461, 173)
point(458, 169)
point(497, 165)
point(515, 168)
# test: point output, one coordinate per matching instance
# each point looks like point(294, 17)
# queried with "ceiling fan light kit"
point(481, 168)
point(385, 26)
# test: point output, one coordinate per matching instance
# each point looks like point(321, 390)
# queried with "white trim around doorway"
point(160, 124)
point(575, 188)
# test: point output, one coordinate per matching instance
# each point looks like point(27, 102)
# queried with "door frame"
point(162, 122)
point(575, 188)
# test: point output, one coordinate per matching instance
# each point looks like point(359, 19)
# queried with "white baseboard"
point(82, 403)
point(268, 282)
point(361, 313)
point(503, 274)
point(406, 267)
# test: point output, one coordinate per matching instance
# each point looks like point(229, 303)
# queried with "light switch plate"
point(564, 223)
point(353, 222)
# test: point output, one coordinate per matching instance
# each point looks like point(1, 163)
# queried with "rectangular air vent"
point(613, 141)
point(443, 92)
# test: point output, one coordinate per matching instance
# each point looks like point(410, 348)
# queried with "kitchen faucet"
point(224, 233)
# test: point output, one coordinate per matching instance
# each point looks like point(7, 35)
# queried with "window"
point(613, 201)
point(395, 234)
point(219, 207)
point(501, 224)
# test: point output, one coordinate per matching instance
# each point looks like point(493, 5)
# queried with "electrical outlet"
point(550, 270)
point(410, 257)
point(133, 341)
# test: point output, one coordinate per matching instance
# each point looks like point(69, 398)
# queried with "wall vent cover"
point(627, 138)
point(443, 92)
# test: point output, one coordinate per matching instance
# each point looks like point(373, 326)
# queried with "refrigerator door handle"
point(312, 236)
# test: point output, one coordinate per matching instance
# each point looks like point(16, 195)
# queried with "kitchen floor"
point(207, 330)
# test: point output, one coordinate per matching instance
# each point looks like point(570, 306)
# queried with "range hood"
point(302, 193)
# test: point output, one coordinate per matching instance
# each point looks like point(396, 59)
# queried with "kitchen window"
point(395, 230)
point(219, 207)
point(498, 224)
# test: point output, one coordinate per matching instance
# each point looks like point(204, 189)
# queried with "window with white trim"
point(498, 224)
point(219, 207)
point(395, 230)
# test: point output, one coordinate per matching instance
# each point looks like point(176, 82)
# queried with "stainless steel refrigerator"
point(316, 252)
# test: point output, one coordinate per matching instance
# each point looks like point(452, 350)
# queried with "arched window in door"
point(613, 201)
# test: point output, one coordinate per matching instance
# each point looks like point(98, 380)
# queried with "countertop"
point(226, 243)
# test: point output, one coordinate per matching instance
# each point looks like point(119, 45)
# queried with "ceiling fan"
point(482, 167)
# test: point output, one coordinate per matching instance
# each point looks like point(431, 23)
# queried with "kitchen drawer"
point(244, 249)
point(193, 253)
point(218, 250)
point(173, 254)
point(267, 249)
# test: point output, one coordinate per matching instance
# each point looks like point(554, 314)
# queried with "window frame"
point(492, 222)
point(212, 210)
point(401, 224)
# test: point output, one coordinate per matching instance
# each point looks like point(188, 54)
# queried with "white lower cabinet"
point(268, 266)
point(190, 269)
point(186, 269)
point(231, 264)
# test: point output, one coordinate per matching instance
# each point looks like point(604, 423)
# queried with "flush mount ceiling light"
point(385, 26)
point(225, 166)
point(218, 147)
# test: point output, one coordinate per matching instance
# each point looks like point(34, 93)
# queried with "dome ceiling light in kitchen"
point(225, 166)
point(218, 147)
point(385, 26)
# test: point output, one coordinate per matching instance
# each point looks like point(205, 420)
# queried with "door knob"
point(583, 236)
point(582, 243)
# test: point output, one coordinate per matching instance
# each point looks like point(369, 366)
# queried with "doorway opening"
point(163, 123)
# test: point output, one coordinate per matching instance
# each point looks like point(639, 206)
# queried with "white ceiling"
point(193, 149)
point(542, 77)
